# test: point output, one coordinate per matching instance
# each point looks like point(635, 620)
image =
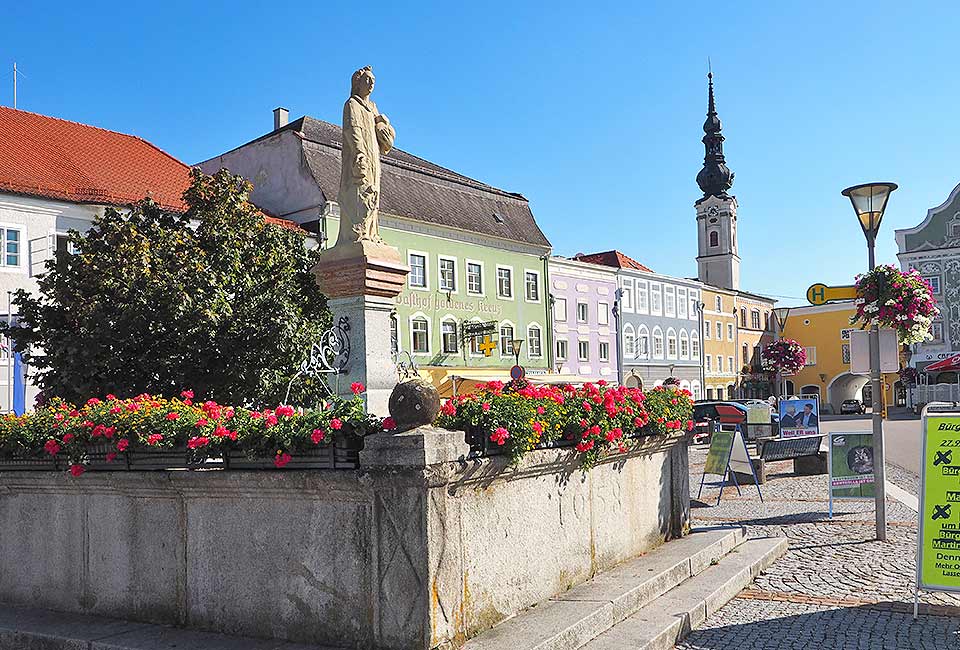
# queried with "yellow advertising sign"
point(820, 294)
point(938, 562)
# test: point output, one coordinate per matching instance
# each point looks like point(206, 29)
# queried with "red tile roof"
point(57, 159)
point(613, 258)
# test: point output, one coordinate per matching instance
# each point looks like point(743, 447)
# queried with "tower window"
point(714, 239)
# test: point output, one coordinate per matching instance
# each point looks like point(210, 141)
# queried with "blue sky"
point(591, 110)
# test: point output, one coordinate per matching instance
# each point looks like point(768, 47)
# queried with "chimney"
point(280, 116)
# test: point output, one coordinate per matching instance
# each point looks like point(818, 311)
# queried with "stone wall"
point(414, 551)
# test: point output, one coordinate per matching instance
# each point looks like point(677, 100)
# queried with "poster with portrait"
point(851, 465)
point(799, 417)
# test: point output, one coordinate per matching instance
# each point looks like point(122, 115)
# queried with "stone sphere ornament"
point(414, 403)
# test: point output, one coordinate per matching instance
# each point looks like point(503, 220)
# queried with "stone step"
point(41, 629)
point(662, 624)
point(573, 618)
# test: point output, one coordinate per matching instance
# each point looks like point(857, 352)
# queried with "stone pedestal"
point(361, 281)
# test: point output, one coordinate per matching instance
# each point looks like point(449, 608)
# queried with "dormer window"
point(497, 217)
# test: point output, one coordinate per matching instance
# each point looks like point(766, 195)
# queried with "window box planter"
point(344, 453)
point(13, 462)
point(147, 459)
point(96, 458)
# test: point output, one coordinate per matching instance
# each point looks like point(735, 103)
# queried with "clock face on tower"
point(713, 211)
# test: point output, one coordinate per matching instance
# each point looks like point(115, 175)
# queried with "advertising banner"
point(799, 417)
point(938, 550)
point(851, 465)
point(728, 454)
point(719, 453)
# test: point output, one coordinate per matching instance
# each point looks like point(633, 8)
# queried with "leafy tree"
point(216, 300)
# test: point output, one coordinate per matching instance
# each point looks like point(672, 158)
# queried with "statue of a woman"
point(366, 135)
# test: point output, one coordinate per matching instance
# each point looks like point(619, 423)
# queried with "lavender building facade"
point(584, 327)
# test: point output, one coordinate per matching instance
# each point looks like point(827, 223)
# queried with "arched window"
point(746, 354)
point(534, 345)
point(420, 335)
point(643, 342)
point(694, 345)
point(449, 342)
point(743, 317)
point(684, 345)
point(629, 349)
point(475, 341)
point(671, 343)
point(506, 339)
point(695, 389)
point(657, 343)
point(714, 239)
point(766, 320)
point(394, 334)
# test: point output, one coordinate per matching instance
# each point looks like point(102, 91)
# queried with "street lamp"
point(869, 201)
point(780, 315)
point(515, 345)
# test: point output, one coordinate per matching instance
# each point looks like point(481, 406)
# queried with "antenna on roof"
point(15, 73)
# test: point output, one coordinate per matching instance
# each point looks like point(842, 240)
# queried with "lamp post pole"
point(870, 202)
point(876, 392)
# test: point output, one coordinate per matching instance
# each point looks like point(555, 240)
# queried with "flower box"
point(96, 458)
point(17, 462)
point(343, 454)
point(143, 459)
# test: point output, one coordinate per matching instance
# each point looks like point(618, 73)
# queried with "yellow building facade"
point(720, 370)
point(824, 331)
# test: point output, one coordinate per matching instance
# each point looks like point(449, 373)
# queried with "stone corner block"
point(419, 447)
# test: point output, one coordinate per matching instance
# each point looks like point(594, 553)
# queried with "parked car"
point(706, 413)
point(852, 406)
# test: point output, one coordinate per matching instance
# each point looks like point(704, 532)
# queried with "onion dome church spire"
point(715, 178)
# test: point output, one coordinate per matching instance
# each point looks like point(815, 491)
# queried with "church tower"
point(718, 262)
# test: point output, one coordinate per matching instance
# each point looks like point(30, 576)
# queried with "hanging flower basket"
point(785, 356)
point(889, 298)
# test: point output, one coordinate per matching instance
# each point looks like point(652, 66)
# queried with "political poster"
point(799, 417)
point(938, 550)
point(728, 454)
point(719, 453)
point(758, 414)
point(850, 464)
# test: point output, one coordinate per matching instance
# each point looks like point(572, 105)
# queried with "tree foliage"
point(215, 299)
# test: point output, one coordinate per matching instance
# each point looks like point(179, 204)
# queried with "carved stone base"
point(361, 269)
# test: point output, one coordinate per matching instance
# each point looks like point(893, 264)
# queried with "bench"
point(804, 451)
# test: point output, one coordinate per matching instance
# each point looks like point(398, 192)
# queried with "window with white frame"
point(504, 282)
point(562, 349)
point(583, 312)
point(671, 344)
point(560, 309)
point(707, 334)
point(933, 281)
point(669, 301)
point(641, 297)
point(707, 364)
point(626, 295)
point(604, 351)
point(603, 313)
point(11, 246)
point(657, 343)
point(474, 278)
point(936, 330)
point(755, 319)
point(811, 356)
point(583, 350)
point(531, 283)
point(394, 334)
point(684, 345)
point(694, 345)
point(718, 304)
point(729, 331)
point(475, 342)
point(730, 366)
point(719, 363)
point(506, 339)
point(681, 302)
point(694, 301)
point(448, 274)
point(656, 306)
point(448, 336)
point(420, 336)
point(418, 270)
point(643, 343)
point(534, 347)
point(719, 331)
point(629, 349)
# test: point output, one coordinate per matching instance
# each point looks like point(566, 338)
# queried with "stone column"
point(362, 280)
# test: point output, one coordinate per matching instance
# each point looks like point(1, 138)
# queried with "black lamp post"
point(869, 202)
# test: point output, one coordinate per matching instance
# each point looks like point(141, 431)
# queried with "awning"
point(945, 365)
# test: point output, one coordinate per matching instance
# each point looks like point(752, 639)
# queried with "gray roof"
point(418, 189)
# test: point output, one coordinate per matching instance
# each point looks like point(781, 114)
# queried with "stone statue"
point(366, 135)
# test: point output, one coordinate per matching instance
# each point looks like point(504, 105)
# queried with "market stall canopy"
point(944, 365)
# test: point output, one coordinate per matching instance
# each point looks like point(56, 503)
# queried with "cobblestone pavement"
point(836, 587)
